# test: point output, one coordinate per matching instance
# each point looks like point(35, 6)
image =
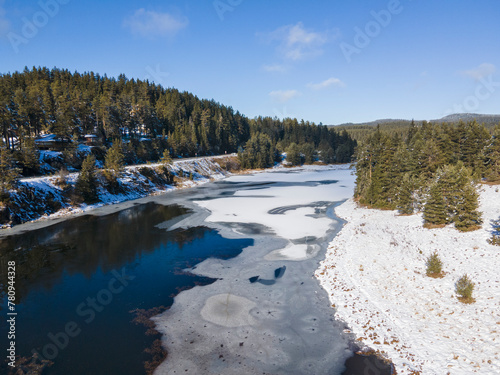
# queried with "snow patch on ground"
point(374, 273)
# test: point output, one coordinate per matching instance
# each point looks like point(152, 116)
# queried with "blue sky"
point(324, 61)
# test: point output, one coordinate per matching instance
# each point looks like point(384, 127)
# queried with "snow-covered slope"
point(41, 197)
point(374, 273)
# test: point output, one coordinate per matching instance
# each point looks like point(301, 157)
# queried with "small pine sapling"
point(166, 159)
point(434, 266)
point(464, 287)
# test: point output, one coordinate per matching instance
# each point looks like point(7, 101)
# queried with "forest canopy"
point(147, 117)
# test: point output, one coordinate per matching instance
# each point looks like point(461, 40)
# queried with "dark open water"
point(61, 269)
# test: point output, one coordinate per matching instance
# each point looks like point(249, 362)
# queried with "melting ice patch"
point(228, 310)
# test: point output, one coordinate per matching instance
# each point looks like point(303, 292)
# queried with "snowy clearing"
point(375, 275)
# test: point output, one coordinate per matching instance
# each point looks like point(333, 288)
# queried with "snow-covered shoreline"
point(374, 273)
point(33, 193)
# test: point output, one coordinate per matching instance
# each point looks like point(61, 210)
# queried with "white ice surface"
point(374, 273)
point(294, 224)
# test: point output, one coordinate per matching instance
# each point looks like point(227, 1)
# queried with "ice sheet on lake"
point(282, 324)
point(228, 310)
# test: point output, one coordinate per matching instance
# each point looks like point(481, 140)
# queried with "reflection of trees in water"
point(185, 237)
point(82, 244)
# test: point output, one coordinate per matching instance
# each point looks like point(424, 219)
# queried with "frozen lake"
point(266, 313)
point(233, 260)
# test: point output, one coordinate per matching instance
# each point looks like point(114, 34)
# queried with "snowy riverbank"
point(42, 198)
point(374, 273)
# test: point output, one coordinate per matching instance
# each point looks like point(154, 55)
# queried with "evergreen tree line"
point(303, 142)
point(71, 105)
point(361, 132)
point(434, 168)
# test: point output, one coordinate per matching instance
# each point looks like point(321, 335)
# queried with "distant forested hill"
point(488, 120)
point(362, 131)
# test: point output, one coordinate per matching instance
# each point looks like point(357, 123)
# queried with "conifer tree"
point(435, 207)
point(495, 233)
point(114, 160)
point(434, 265)
point(166, 159)
point(405, 195)
point(258, 152)
point(86, 184)
point(327, 155)
point(309, 153)
point(467, 216)
point(30, 159)
point(472, 146)
point(373, 196)
point(492, 157)
point(343, 153)
point(8, 173)
point(293, 154)
point(464, 288)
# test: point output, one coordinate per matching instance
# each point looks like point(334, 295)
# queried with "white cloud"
point(275, 68)
point(4, 22)
point(150, 24)
point(326, 83)
point(481, 71)
point(296, 43)
point(283, 96)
